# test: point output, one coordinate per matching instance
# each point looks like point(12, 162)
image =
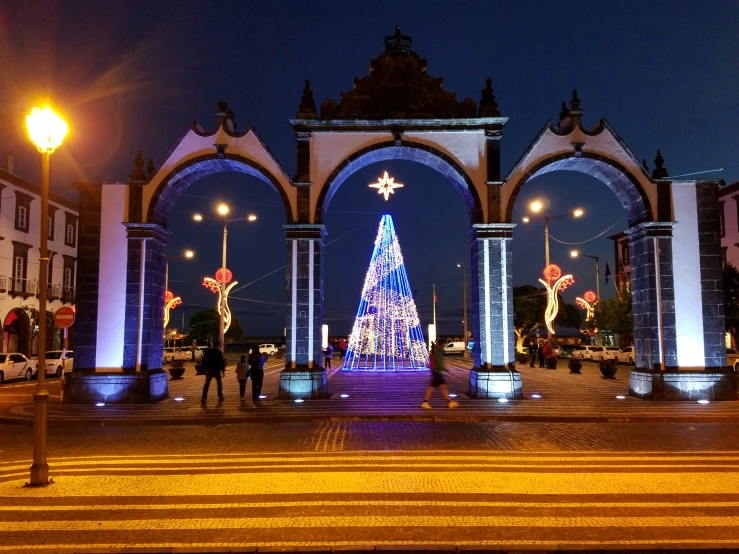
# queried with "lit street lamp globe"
point(46, 129)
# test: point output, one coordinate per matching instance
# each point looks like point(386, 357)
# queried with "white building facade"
point(20, 223)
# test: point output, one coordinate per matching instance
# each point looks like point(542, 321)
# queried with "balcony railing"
point(68, 295)
point(27, 287)
point(22, 287)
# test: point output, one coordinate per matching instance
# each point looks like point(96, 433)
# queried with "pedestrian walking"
point(533, 351)
point(242, 374)
point(438, 368)
point(192, 350)
point(541, 354)
point(256, 372)
point(328, 354)
point(214, 366)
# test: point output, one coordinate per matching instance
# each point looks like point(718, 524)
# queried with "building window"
point(721, 221)
point(625, 253)
point(22, 211)
point(19, 268)
point(52, 220)
point(70, 229)
point(68, 278)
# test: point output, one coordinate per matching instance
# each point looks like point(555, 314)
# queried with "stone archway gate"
point(399, 112)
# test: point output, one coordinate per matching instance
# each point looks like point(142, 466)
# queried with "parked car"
point(175, 353)
point(584, 352)
point(198, 354)
point(602, 353)
point(454, 347)
point(268, 349)
point(58, 361)
point(627, 356)
point(732, 359)
point(564, 351)
point(16, 366)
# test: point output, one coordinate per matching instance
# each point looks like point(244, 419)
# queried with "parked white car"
point(454, 347)
point(175, 353)
point(627, 356)
point(584, 352)
point(602, 353)
point(16, 366)
point(58, 361)
point(732, 359)
point(268, 349)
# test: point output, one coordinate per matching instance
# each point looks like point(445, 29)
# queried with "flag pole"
point(434, 290)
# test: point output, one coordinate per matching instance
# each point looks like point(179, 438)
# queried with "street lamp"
point(536, 207)
point(189, 254)
point(464, 305)
point(223, 211)
point(46, 131)
point(577, 253)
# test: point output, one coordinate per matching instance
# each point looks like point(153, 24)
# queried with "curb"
point(228, 420)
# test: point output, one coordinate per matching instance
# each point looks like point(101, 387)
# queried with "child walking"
point(437, 378)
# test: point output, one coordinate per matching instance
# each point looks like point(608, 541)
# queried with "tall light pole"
point(223, 211)
point(536, 207)
point(189, 254)
point(464, 306)
point(47, 131)
point(575, 254)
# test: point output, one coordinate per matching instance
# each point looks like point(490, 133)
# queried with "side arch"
point(189, 171)
point(17, 332)
point(615, 176)
point(406, 150)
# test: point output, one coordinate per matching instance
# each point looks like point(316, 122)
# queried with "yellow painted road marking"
point(338, 482)
point(332, 522)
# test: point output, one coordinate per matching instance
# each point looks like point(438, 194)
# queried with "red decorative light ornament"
point(168, 296)
point(228, 276)
point(589, 296)
point(552, 272)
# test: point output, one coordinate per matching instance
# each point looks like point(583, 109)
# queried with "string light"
point(387, 332)
point(216, 286)
point(170, 303)
point(561, 282)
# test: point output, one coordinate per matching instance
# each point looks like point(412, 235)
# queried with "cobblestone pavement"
point(549, 396)
point(373, 485)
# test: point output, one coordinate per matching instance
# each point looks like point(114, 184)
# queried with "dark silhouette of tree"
point(204, 327)
point(614, 314)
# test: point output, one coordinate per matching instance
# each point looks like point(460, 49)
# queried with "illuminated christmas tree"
point(387, 333)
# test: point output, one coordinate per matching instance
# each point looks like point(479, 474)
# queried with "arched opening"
point(17, 332)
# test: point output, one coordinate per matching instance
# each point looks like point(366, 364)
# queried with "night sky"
point(133, 75)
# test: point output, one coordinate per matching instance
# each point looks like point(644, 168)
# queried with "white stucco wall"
point(686, 268)
point(112, 280)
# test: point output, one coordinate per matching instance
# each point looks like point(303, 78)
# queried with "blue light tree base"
point(387, 333)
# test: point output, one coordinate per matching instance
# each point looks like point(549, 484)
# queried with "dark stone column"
point(150, 238)
point(88, 275)
point(712, 284)
point(493, 375)
point(302, 175)
point(304, 376)
point(653, 296)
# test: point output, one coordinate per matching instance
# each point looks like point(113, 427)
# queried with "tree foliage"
point(204, 327)
point(33, 320)
point(529, 304)
point(568, 316)
point(614, 314)
point(731, 299)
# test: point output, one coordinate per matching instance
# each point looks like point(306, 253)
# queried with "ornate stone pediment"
point(398, 87)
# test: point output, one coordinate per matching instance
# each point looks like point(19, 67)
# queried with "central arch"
point(424, 154)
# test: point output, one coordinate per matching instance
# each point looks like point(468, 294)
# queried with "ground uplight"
point(178, 399)
point(344, 395)
point(100, 404)
point(703, 401)
point(452, 395)
point(503, 400)
point(536, 395)
point(299, 400)
point(262, 396)
point(619, 397)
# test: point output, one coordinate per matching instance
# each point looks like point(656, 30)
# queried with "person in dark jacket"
point(328, 354)
point(214, 365)
point(438, 368)
point(533, 351)
point(541, 355)
point(256, 372)
point(242, 374)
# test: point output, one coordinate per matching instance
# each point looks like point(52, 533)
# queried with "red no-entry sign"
point(64, 317)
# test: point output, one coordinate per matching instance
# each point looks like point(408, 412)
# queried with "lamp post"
point(464, 306)
point(577, 253)
point(536, 207)
point(189, 254)
point(47, 131)
point(223, 211)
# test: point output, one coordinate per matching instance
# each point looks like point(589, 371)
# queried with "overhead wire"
point(585, 241)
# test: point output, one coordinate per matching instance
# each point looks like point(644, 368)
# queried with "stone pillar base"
point(303, 383)
point(495, 383)
point(683, 385)
point(116, 387)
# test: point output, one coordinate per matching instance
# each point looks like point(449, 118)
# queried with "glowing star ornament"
point(387, 332)
point(222, 285)
point(170, 303)
point(386, 185)
point(555, 283)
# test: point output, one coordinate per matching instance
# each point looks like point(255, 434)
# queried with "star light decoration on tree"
point(385, 185)
point(555, 282)
point(587, 303)
point(387, 333)
point(170, 303)
point(221, 286)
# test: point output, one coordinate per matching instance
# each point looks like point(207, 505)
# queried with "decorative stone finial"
point(488, 105)
point(307, 107)
point(575, 102)
point(150, 167)
point(645, 165)
point(398, 43)
point(564, 113)
point(225, 115)
point(138, 168)
point(660, 171)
